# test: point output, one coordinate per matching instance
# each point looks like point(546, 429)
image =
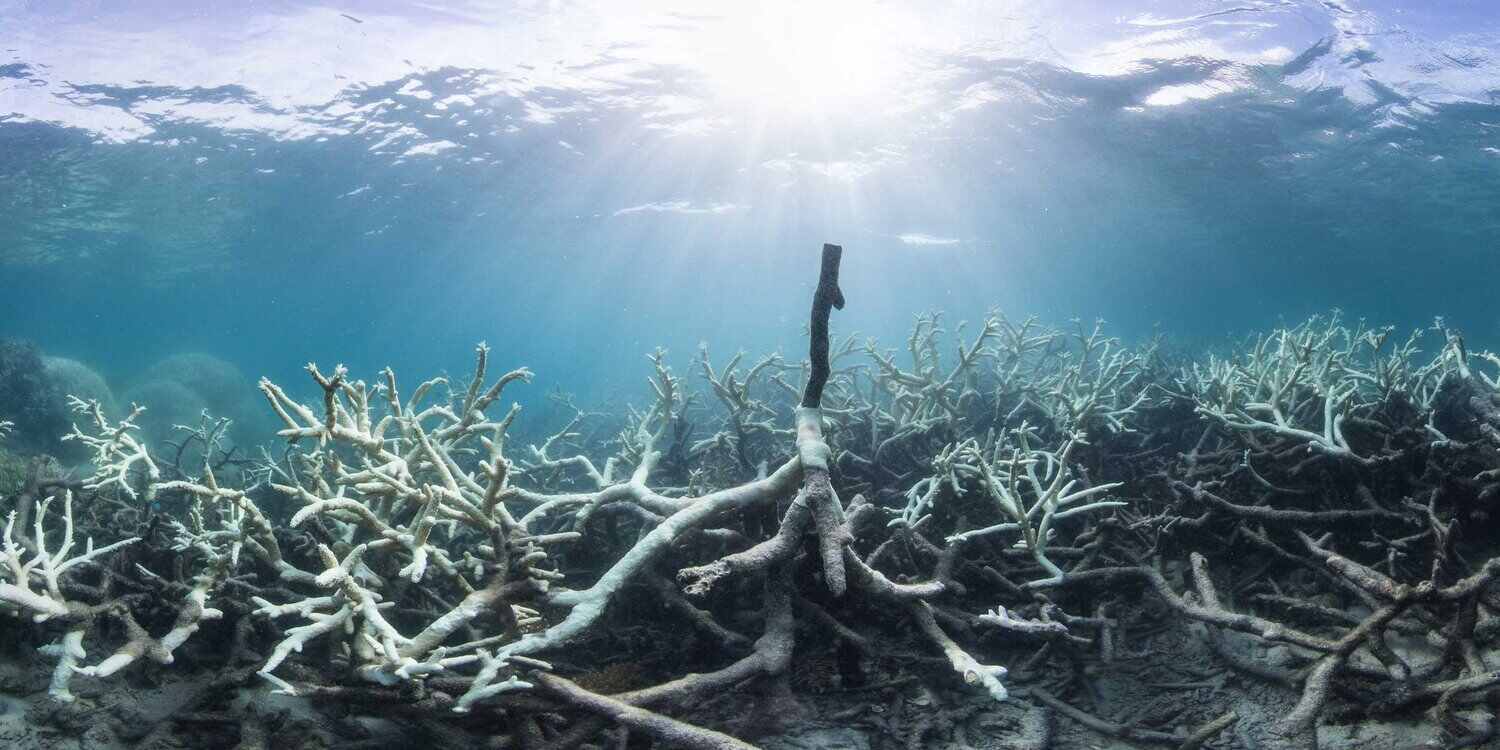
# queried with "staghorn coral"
point(40, 582)
point(1047, 499)
point(1029, 499)
point(397, 485)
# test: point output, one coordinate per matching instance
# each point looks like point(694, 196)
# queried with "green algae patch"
point(12, 472)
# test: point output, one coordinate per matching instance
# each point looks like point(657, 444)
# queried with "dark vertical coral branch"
point(827, 298)
point(817, 486)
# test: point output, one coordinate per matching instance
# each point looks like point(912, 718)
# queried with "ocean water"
point(579, 183)
point(233, 190)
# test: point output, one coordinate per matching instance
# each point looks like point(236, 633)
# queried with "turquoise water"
point(578, 183)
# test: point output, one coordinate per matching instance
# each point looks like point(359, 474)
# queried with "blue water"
point(578, 183)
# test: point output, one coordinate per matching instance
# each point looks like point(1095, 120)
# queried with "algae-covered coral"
point(34, 408)
point(1000, 535)
point(12, 467)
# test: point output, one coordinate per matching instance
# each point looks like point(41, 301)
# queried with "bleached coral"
point(120, 461)
point(399, 485)
point(403, 512)
point(1301, 385)
point(32, 584)
point(1030, 488)
point(1028, 483)
point(414, 508)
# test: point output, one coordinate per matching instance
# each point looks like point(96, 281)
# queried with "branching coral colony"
point(1310, 514)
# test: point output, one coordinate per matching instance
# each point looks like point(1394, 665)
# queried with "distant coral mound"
point(214, 384)
point(74, 378)
point(30, 399)
point(168, 403)
point(220, 384)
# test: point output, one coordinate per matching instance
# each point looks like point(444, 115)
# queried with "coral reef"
point(12, 467)
point(74, 378)
point(170, 403)
point(187, 385)
point(216, 381)
point(1009, 535)
point(29, 400)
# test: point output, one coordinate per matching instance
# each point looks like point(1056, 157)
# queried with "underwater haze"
point(578, 183)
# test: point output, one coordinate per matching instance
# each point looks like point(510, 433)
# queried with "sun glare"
point(808, 57)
